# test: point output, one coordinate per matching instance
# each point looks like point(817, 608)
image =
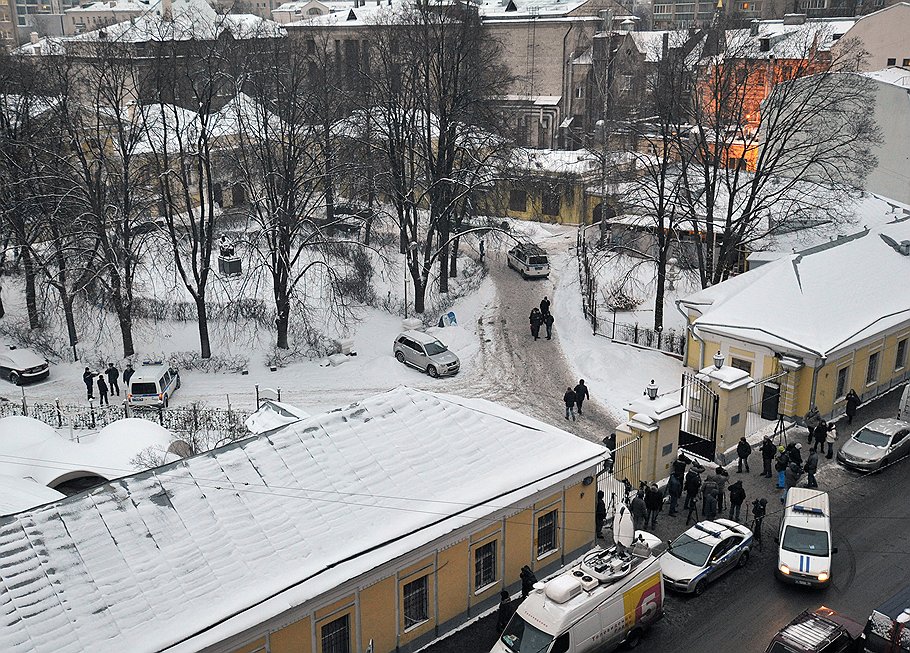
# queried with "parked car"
point(152, 385)
point(818, 631)
point(704, 553)
point(530, 260)
point(20, 366)
point(426, 353)
point(888, 628)
point(876, 444)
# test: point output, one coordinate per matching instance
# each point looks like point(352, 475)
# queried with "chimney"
point(166, 9)
point(904, 247)
point(753, 28)
point(764, 44)
point(34, 38)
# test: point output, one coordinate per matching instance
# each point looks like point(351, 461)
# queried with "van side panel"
point(643, 603)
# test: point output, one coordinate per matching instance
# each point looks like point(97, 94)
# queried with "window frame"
point(743, 364)
point(493, 546)
point(873, 365)
point(347, 647)
point(424, 606)
point(514, 194)
point(538, 539)
point(900, 354)
point(840, 389)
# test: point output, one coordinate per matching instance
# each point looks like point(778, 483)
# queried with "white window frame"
point(494, 545)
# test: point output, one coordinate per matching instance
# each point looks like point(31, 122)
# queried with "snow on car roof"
point(186, 555)
point(23, 357)
point(420, 336)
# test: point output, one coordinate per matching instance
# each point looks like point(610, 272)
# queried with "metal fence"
point(623, 474)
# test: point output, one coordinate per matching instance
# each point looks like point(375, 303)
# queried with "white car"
point(704, 553)
point(20, 366)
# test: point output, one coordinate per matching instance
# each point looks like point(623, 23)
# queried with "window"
point(900, 358)
point(892, 61)
point(741, 364)
point(336, 636)
point(579, 91)
point(416, 602)
point(485, 565)
point(546, 533)
point(551, 203)
point(843, 375)
point(626, 85)
point(906, 63)
point(872, 369)
point(311, 46)
point(561, 645)
point(518, 200)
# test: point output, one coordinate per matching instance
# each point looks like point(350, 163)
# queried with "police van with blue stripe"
point(804, 543)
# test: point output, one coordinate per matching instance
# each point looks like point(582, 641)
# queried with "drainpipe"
point(691, 329)
point(567, 74)
point(815, 370)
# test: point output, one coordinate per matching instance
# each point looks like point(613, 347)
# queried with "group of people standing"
point(107, 382)
point(541, 317)
point(506, 606)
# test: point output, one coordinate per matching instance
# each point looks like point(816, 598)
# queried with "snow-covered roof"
point(518, 9)
point(18, 494)
point(816, 303)
point(273, 414)
point(32, 449)
point(896, 75)
point(186, 555)
point(109, 6)
point(577, 162)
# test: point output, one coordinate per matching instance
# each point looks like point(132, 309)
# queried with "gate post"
point(655, 421)
point(733, 397)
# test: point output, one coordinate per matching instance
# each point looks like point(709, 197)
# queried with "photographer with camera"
point(759, 508)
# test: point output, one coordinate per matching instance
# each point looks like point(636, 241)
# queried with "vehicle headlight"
point(822, 577)
point(785, 570)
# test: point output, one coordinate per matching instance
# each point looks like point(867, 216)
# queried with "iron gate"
point(698, 428)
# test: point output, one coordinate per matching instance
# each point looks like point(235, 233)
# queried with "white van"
point(529, 260)
point(610, 597)
point(903, 409)
point(152, 385)
point(804, 543)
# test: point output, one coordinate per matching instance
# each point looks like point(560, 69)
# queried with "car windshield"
point(144, 389)
point(434, 348)
point(538, 260)
point(521, 637)
point(692, 550)
point(806, 541)
point(873, 438)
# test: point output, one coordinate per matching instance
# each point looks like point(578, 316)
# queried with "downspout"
point(691, 329)
point(566, 73)
point(815, 370)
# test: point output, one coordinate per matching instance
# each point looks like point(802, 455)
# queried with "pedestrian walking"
point(794, 450)
point(600, 514)
point(812, 419)
point(737, 497)
point(610, 444)
point(112, 375)
point(127, 375)
point(791, 479)
point(548, 323)
point(102, 391)
point(853, 402)
point(88, 378)
point(504, 613)
point(691, 486)
point(759, 508)
point(820, 434)
point(831, 438)
point(674, 491)
point(743, 449)
point(639, 511)
point(654, 502)
point(768, 451)
point(528, 579)
point(783, 461)
point(569, 399)
point(545, 306)
point(722, 478)
point(535, 318)
point(581, 393)
point(811, 467)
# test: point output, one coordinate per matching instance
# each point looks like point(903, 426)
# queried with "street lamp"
point(651, 390)
point(412, 247)
point(718, 360)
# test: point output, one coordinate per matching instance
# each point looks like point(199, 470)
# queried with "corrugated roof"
point(189, 554)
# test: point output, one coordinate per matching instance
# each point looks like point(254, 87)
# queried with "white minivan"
point(804, 543)
point(152, 385)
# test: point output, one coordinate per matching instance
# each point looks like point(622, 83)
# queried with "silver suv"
point(426, 353)
point(878, 443)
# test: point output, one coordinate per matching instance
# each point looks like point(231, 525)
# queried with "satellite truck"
point(609, 597)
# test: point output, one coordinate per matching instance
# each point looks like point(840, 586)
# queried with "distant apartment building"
point(884, 35)
point(96, 15)
point(19, 18)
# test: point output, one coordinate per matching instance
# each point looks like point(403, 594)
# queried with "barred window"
point(416, 602)
point(546, 533)
point(900, 358)
point(336, 636)
point(485, 565)
point(872, 369)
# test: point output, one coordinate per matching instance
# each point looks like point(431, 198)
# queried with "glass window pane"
point(336, 636)
point(485, 565)
point(416, 602)
point(546, 533)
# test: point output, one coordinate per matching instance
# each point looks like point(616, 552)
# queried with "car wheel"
point(399, 357)
point(633, 639)
point(743, 559)
point(14, 378)
point(432, 371)
point(700, 587)
point(884, 463)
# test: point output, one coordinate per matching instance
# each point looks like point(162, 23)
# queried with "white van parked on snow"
point(804, 543)
point(152, 385)
point(609, 598)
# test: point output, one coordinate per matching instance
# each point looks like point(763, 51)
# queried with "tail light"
point(160, 396)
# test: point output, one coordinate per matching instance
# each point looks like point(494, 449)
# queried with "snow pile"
point(18, 494)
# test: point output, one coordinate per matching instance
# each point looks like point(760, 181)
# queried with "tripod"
point(780, 430)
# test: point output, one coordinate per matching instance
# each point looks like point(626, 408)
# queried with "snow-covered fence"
point(671, 340)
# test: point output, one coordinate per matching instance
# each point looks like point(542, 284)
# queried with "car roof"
point(808, 508)
point(532, 248)
point(25, 357)
point(710, 532)
point(148, 372)
point(808, 631)
point(419, 336)
point(887, 425)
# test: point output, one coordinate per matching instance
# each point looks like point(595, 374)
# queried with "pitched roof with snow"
point(895, 75)
point(816, 303)
point(189, 554)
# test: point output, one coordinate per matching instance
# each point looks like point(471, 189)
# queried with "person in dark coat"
point(600, 514)
point(791, 479)
point(505, 611)
point(88, 378)
point(810, 468)
point(102, 391)
point(737, 497)
point(691, 486)
point(654, 502)
point(768, 451)
point(853, 402)
point(743, 449)
point(812, 419)
point(783, 461)
point(545, 306)
point(112, 375)
point(820, 434)
point(794, 452)
point(708, 487)
point(569, 399)
point(581, 393)
point(527, 581)
point(639, 512)
point(610, 444)
point(722, 478)
point(674, 491)
point(127, 375)
point(710, 507)
point(535, 319)
point(548, 323)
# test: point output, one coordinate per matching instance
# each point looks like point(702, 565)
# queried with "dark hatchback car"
point(818, 631)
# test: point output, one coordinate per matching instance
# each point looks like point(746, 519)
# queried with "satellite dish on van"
point(623, 527)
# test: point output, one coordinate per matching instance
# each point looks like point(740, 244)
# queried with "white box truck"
point(610, 597)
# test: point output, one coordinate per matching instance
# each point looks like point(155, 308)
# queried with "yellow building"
point(831, 318)
point(378, 527)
